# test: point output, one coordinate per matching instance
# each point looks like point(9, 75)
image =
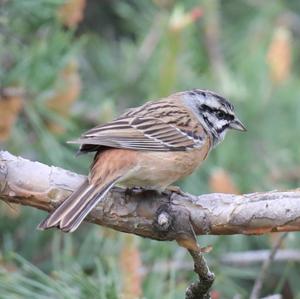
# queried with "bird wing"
point(141, 133)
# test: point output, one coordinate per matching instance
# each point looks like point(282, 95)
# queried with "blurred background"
point(66, 66)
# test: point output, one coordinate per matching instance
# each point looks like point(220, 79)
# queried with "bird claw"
point(175, 189)
point(135, 189)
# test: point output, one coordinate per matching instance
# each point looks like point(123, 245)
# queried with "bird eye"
point(220, 114)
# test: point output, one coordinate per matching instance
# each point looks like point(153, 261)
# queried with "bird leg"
point(175, 189)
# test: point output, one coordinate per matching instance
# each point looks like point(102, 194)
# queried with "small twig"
point(276, 296)
point(264, 269)
point(232, 259)
point(251, 257)
point(200, 289)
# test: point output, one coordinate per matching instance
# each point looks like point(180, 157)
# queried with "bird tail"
point(76, 207)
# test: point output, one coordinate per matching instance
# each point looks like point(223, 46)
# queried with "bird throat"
point(217, 134)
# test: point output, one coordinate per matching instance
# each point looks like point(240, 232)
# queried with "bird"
point(149, 147)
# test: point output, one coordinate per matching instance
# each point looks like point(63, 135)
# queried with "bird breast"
point(157, 170)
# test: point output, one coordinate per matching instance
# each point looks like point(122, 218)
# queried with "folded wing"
point(140, 133)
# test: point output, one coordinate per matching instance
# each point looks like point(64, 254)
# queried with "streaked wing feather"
point(140, 133)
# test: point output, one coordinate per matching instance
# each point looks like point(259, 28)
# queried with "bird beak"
point(236, 124)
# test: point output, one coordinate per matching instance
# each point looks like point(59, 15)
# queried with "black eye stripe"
point(210, 124)
point(223, 114)
point(220, 130)
point(228, 117)
point(207, 108)
point(211, 109)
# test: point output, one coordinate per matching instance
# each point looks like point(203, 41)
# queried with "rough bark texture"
point(167, 216)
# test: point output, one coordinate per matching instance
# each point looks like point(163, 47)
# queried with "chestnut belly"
point(157, 170)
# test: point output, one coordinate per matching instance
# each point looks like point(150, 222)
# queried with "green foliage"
point(129, 52)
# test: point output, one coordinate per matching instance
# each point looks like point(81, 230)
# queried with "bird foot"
point(175, 189)
point(133, 190)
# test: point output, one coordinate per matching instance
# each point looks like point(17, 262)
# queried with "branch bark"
point(201, 288)
point(164, 216)
point(167, 216)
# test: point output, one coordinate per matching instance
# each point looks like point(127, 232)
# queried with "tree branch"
point(200, 289)
point(166, 217)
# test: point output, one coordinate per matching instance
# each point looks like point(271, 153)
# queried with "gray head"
point(214, 112)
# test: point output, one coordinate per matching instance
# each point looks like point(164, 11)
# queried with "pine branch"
point(168, 216)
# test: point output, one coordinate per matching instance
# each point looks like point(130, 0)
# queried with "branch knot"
point(163, 219)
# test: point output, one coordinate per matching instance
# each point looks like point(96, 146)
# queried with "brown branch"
point(200, 289)
point(166, 217)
